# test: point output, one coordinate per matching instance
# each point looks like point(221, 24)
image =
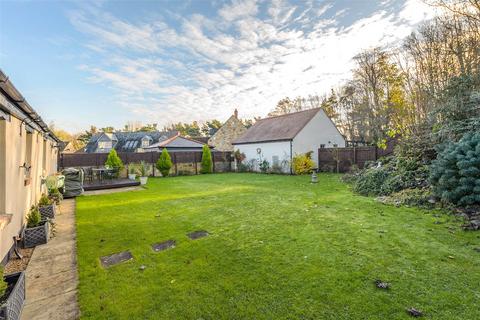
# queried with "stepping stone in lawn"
point(414, 312)
point(116, 258)
point(197, 234)
point(163, 245)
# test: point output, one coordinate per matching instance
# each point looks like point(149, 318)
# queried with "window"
point(145, 141)
point(275, 160)
point(335, 145)
point(105, 144)
point(322, 146)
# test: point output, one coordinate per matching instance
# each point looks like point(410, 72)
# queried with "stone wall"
point(223, 138)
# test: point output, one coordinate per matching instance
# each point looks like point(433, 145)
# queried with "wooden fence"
point(342, 159)
point(183, 162)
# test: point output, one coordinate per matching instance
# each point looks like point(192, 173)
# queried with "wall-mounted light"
point(26, 167)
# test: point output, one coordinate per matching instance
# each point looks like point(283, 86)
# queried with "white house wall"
point(319, 130)
point(268, 151)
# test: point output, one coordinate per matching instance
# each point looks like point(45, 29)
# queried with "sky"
point(105, 63)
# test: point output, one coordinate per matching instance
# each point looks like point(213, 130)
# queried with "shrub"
point(144, 169)
point(44, 200)
point(55, 196)
point(370, 181)
point(303, 163)
point(133, 168)
point(113, 160)
point(264, 166)
point(455, 174)
point(411, 197)
point(3, 284)
point(206, 164)
point(164, 163)
point(239, 156)
point(33, 217)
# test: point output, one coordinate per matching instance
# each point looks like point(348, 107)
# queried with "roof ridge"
point(291, 113)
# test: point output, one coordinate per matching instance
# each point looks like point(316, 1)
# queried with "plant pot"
point(132, 176)
point(37, 235)
point(11, 308)
point(47, 212)
point(143, 180)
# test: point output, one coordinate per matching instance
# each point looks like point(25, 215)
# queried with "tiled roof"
point(279, 128)
point(129, 141)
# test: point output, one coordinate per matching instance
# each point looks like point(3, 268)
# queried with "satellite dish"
point(259, 150)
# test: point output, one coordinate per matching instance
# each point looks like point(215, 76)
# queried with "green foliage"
point(133, 168)
point(144, 169)
point(411, 197)
point(303, 163)
point(206, 165)
point(370, 181)
point(264, 166)
point(3, 284)
point(164, 163)
point(44, 200)
point(455, 174)
point(55, 196)
point(33, 217)
point(113, 160)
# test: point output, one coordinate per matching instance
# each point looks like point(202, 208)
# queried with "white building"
point(278, 139)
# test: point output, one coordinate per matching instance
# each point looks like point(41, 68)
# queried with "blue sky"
point(108, 62)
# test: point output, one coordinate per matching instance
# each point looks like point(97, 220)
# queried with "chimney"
point(235, 113)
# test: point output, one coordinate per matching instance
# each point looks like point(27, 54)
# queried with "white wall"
point(319, 130)
point(268, 150)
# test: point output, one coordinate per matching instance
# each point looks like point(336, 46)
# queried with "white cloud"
point(204, 67)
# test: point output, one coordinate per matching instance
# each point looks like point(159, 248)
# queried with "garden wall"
point(342, 159)
point(184, 163)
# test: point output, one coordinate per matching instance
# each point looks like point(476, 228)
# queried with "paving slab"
point(163, 245)
point(51, 275)
point(197, 234)
point(115, 258)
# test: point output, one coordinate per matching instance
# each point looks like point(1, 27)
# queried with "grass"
point(280, 248)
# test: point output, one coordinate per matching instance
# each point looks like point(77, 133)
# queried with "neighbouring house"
point(28, 153)
point(278, 139)
point(232, 129)
point(103, 142)
point(176, 143)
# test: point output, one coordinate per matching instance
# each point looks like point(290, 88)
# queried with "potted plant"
point(132, 171)
point(55, 196)
point(12, 295)
point(143, 173)
point(46, 207)
point(37, 230)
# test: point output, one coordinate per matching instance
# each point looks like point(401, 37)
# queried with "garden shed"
point(278, 139)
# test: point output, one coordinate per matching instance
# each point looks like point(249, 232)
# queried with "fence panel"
point(342, 159)
point(183, 162)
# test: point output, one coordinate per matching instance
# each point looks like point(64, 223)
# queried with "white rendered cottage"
point(278, 139)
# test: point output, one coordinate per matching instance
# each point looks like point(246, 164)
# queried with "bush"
point(133, 168)
point(206, 165)
point(33, 217)
point(164, 163)
point(44, 201)
point(264, 166)
point(113, 160)
point(3, 284)
point(455, 174)
point(411, 197)
point(370, 181)
point(144, 169)
point(303, 163)
point(55, 196)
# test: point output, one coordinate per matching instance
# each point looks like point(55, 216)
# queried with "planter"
point(143, 180)
point(132, 176)
point(37, 235)
point(47, 212)
point(11, 308)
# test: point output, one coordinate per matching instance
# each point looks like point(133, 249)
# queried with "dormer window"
point(146, 141)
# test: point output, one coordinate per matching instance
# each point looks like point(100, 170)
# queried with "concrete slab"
point(52, 277)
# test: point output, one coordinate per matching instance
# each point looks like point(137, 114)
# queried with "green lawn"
point(280, 248)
